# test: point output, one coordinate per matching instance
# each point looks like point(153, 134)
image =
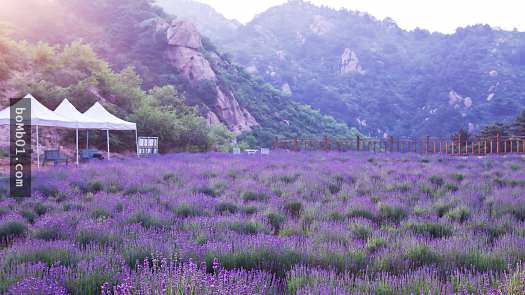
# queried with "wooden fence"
point(428, 145)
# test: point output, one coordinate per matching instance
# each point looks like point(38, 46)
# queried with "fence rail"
point(428, 145)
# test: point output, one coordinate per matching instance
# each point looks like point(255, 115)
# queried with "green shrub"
point(254, 196)
point(185, 210)
point(49, 255)
point(392, 213)
point(11, 229)
point(360, 231)
point(442, 208)
point(208, 191)
point(276, 221)
point(100, 213)
point(246, 228)
point(432, 229)
point(437, 180)
point(145, 219)
point(276, 261)
point(458, 177)
point(297, 282)
point(28, 215)
point(336, 216)
point(49, 233)
point(421, 255)
point(51, 191)
point(40, 209)
point(481, 262)
point(451, 187)
point(91, 187)
point(375, 243)
point(134, 190)
point(88, 236)
point(135, 255)
point(459, 214)
point(361, 212)
point(353, 261)
point(229, 207)
point(294, 208)
point(249, 210)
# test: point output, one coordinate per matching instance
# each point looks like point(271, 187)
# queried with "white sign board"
point(265, 151)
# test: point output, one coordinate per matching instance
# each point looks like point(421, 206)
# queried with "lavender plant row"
point(289, 223)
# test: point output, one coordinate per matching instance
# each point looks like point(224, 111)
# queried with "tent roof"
point(40, 115)
point(68, 111)
point(98, 113)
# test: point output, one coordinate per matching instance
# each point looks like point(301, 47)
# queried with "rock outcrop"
point(185, 54)
point(321, 26)
point(350, 63)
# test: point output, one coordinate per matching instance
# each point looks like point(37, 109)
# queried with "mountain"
point(376, 76)
point(167, 51)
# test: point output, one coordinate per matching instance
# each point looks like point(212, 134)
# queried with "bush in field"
point(254, 196)
point(224, 207)
point(294, 208)
point(276, 221)
point(431, 229)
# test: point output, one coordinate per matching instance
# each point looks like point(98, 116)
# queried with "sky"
point(434, 15)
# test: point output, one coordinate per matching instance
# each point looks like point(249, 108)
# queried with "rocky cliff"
point(185, 54)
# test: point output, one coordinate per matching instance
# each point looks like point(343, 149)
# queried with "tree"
point(518, 126)
point(494, 130)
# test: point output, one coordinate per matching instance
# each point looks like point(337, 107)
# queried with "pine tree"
point(518, 126)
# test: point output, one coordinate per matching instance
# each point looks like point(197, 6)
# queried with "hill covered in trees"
point(372, 74)
point(147, 66)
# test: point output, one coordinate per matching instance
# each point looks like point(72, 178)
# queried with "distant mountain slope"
point(378, 77)
point(166, 51)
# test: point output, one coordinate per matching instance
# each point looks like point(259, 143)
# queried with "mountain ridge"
point(378, 77)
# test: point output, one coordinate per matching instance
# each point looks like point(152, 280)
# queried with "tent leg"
point(107, 141)
point(87, 139)
point(137, 141)
point(37, 149)
point(77, 146)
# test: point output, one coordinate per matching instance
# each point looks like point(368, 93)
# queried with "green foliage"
point(145, 219)
point(224, 207)
point(185, 210)
point(254, 196)
point(392, 213)
point(432, 229)
point(12, 229)
point(421, 255)
point(246, 228)
point(276, 221)
point(294, 208)
point(459, 214)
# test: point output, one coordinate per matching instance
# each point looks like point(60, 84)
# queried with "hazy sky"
point(435, 15)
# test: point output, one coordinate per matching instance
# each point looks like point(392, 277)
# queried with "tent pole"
point(137, 141)
point(87, 139)
point(107, 140)
point(37, 149)
point(77, 146)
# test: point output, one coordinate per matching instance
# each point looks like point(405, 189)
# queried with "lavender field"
point(289, 223)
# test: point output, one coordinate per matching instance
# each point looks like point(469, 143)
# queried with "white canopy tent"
point(67, 116)
point(81, 121)
point(97, 113)
point(40, 116)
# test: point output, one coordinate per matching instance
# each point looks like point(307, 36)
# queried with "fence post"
point(497, 143)
point(391, 144)
point(358, 142)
